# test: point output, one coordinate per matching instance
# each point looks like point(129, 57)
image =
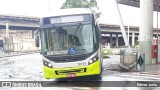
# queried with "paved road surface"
point(29, 68)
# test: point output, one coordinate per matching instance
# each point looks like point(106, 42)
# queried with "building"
point(17, 32)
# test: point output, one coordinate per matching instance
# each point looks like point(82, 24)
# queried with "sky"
point(29, 7)
point(40, 8)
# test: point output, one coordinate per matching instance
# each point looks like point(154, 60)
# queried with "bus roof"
point(71, 11)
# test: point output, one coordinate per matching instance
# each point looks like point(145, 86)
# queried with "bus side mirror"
point(37, 41)
point(99, 32)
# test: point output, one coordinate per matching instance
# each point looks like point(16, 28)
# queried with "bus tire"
point(61, 79)
point(98, 77)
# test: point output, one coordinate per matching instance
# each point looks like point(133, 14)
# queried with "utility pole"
point(128, 33)
point(122, 27)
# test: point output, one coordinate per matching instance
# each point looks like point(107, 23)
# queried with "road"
point(29, 68)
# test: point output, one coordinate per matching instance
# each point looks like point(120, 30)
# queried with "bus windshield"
point(69, 40)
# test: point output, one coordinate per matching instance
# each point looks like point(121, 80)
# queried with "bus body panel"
point(73, 63)
point(93, 69)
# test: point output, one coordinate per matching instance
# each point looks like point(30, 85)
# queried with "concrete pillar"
point(117, 40)
point(146, 29)
point(128, 33)
point(7, 29)
point(32, 33)
point(111, 40)
point(133, 39)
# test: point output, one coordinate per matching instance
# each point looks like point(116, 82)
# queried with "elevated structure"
point(19, 22)
point(16, 24)
point(136, 3)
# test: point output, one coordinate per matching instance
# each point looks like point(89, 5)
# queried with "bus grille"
point(61, 72)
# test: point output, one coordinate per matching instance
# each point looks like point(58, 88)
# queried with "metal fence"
point(19, 47)
point(12, 47)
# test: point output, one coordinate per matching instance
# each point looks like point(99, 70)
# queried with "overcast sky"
point(29, 7)
point(40, 8)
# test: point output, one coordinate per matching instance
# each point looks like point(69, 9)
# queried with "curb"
point(19, 54)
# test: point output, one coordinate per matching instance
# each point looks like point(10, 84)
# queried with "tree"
point(82, 4)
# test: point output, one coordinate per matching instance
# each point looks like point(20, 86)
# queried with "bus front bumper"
point(92, 69)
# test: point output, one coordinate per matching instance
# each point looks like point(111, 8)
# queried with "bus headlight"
point(94, 59)
point(49, 65)
point(90, 61)
point(45, 63)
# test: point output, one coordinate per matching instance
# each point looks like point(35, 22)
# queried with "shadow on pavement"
point(87, 81)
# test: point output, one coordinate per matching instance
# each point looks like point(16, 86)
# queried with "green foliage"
point(106, 51)
point(137, 47)
point(72, 4)
point(81, 4)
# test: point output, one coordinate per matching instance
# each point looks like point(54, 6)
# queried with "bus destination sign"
point(67, 19)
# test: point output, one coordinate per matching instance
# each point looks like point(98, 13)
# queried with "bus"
point(70, 44)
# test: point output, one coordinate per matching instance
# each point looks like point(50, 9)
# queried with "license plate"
point(71, 75)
